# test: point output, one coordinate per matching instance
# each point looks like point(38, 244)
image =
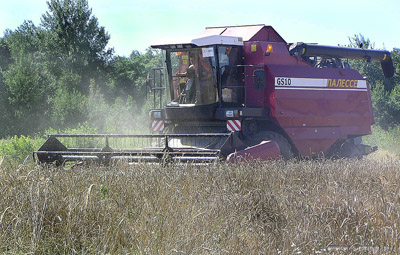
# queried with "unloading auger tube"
point(162, 148)
point(314, 50)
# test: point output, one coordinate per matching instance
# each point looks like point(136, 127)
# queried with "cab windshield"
point(192, 75)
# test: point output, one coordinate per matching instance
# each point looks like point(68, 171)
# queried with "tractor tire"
point(284, 146)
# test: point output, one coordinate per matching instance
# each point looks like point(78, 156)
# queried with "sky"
point(136, 24)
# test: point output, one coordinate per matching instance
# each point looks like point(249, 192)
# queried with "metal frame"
point(53, 151)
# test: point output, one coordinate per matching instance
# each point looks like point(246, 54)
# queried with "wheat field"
point(276, 207)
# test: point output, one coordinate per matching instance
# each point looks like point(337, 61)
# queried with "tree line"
point(60, 73)
point(385, 92)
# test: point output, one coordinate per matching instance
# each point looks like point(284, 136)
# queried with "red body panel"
point(266, 150)
point(315, 116)
point(320, 106)
point(325, 105)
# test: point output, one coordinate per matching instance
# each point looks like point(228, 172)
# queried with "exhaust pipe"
point(314, 50)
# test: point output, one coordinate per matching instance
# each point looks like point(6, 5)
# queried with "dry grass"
point(248, 208)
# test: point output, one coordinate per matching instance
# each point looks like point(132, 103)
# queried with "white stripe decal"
point(234, 125)
point(320, 83)
point(318, 89)
point(157, 125)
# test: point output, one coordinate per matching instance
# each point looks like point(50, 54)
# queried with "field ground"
point(295, 207)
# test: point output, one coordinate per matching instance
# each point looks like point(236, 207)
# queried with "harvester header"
point(242, 92)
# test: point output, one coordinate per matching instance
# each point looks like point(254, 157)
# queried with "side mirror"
point(260, 81)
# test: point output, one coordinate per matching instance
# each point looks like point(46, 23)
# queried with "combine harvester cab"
point(242, 92)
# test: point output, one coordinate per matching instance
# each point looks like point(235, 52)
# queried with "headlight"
point(155, 114)
point(229, 114)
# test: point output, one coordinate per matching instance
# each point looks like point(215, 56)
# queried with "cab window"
point(193, 76)
point(231, 74)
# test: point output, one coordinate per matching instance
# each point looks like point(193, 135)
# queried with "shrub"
point(388, 140)
point(18, 148)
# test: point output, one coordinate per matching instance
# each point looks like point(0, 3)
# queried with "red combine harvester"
point(241, 92)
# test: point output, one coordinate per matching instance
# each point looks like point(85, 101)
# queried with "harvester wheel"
point(284, 145)
point(349, 150)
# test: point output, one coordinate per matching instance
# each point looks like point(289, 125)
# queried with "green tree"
point(4, 118)
point(5, 55)
point(385, 91)
point(76, 41)
point(125, 74)
point(69, 110)
point(150, 59)
point(359, 41)
point(25, 39)
point(60, 73)
point(45, 71)
point(28, 87)
point(25, 83)
point(5, 60)
point(128, 75)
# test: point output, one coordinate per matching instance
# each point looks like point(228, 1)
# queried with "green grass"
point(386, 140)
